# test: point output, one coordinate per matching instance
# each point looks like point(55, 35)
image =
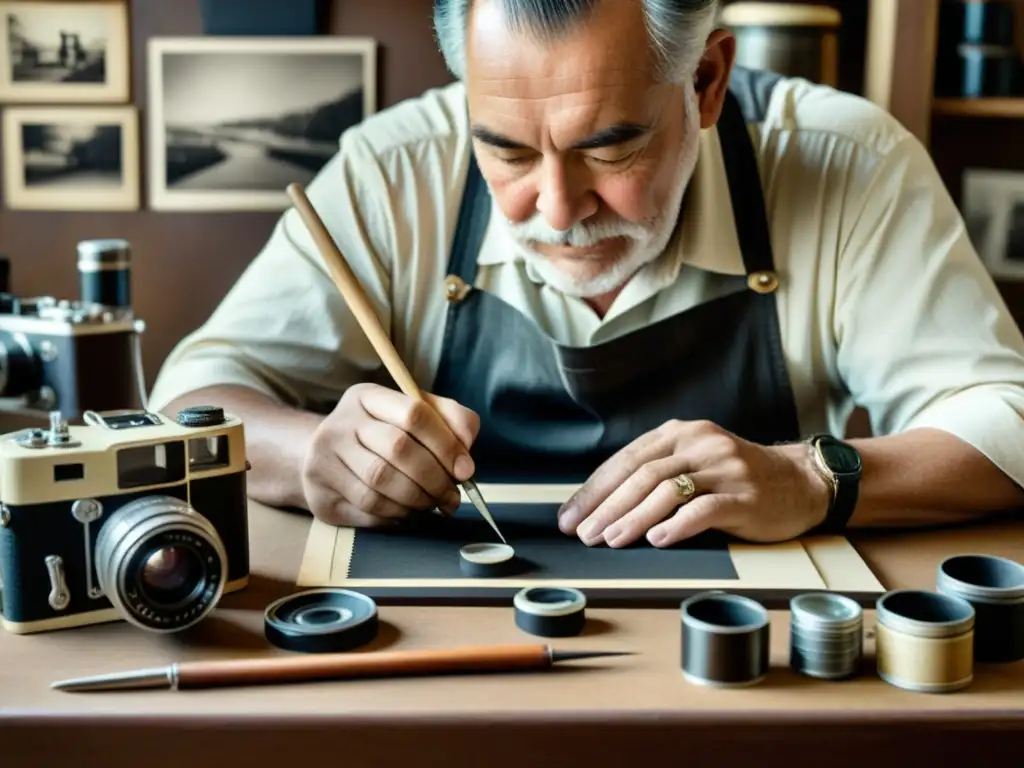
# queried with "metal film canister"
point(550, 611)
point(825, 635)
point(104, 273)
point(725, 640)
point(924, 641)
point(994, 586)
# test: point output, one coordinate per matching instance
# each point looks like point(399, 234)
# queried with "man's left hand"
point(755, 492)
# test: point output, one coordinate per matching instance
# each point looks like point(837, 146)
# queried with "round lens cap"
point(321, 621)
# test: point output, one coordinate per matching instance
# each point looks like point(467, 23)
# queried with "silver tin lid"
point(826, 612)
point(982, 578)
point(924, 614)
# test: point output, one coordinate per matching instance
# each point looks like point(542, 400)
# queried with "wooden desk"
point(606, 714)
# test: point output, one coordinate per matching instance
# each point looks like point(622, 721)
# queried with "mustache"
point(580, 235)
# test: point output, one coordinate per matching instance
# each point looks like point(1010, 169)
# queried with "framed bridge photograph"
point(232, 121)
point(64, 52)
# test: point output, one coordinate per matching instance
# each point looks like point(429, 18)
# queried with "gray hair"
point(678, 28)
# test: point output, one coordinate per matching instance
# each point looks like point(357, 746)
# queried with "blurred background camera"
point(73, 355)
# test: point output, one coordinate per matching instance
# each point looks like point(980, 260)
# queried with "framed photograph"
point(993, 209)
point(233, 121)
point(71, 158)
point(64, 52)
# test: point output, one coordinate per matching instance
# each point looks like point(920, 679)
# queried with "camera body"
point(73, 355)
point(131, 516)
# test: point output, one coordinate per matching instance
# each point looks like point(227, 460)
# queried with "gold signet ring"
point(684, 487)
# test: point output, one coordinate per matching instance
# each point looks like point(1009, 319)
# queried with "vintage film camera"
point(73, 356)
point(131, 516)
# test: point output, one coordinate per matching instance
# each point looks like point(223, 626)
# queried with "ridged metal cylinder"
point(826, 635)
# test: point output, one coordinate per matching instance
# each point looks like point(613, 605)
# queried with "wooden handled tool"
point(333, 666)
point(352, 291)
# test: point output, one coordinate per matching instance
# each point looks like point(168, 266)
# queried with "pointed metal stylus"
point(469, 486)
point(335, 666)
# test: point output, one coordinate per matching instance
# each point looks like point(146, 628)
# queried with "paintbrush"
point(352, 291)
point(333, 666)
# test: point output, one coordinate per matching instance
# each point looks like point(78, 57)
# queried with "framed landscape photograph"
point(233, 121)
point(993, 209)
point(64, 52)
point(71, 158)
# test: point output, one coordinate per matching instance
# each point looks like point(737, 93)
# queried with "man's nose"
point(564, 197)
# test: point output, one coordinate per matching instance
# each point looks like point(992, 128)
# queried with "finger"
point(419, 419)
point(381, 477)
point(628, 495)
point(661, 504)
point(418, 479)
point(464, 422)
point(341, 477)
point(694, 517)
point(610, 475)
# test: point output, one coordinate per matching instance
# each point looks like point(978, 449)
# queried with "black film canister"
point(994, 586)
point(104, 273)
point(550, 611)
point(725, 640)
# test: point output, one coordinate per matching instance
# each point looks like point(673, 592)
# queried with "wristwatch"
point(839, 464)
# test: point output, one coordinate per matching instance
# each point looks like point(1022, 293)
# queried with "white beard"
point(646, 241)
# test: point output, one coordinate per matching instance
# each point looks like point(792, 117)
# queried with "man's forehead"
point(607, 48)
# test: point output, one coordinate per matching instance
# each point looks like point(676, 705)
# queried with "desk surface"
point(647, 687)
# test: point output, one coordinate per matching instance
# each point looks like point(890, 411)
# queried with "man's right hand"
point(381, 454)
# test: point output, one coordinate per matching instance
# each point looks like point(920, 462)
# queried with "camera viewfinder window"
point(129, 420)
point(157, 464)
point(207, 452)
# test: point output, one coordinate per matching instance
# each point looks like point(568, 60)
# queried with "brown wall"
point(184, 262)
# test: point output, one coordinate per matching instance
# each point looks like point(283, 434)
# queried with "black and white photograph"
point(71, 158)
point(70, 52)
point(233, 122)
point(993, 209)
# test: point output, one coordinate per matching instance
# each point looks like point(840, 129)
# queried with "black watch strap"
point(841, 461)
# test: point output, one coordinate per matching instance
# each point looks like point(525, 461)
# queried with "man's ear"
point(711, 81)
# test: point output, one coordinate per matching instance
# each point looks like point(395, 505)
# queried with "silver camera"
point(73, 355)
point(132, 516)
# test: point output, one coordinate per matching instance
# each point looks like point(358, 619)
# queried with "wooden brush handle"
point(263, 671)
point(351, 290)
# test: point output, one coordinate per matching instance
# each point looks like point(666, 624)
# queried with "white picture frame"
point(66, 52)
point(992, 202)
point(224, 103)
point(66, 159)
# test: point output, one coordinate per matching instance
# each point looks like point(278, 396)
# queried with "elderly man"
point(616, 260)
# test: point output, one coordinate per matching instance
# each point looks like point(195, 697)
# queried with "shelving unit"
point(1004, 107)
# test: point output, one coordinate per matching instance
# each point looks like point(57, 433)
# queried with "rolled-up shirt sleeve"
point(283, 329)
point(923, 337)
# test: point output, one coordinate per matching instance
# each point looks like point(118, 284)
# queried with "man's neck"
point(601, 304)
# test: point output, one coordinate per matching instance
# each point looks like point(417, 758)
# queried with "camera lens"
point(161, 564)
point(20, 370)
point(172, 575)
point(104, 273)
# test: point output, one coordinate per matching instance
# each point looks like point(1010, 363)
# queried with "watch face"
point(839, 457)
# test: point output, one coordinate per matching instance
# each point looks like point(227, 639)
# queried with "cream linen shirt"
point(883, 300)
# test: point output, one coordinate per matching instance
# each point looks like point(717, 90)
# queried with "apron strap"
point(745, 188)
point(474, 215)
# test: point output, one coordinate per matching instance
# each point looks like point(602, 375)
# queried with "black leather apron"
point(553, 413)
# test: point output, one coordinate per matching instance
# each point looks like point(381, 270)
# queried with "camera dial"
point(160, 563)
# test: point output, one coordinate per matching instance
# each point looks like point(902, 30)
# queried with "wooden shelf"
point(1001, 107)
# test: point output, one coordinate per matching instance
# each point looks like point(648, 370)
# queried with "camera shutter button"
point(201, 416)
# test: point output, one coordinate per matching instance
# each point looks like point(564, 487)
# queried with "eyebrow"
point(607, 137)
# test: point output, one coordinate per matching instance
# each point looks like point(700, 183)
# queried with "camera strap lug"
point(59, 596)
point(87, 511)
